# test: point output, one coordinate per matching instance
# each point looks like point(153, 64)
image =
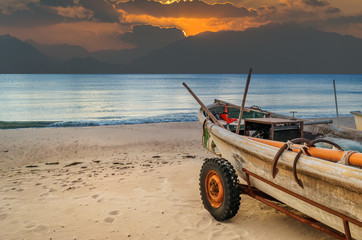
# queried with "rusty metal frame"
point(259, 195)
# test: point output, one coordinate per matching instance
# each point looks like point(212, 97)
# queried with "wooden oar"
point(203, 106)
point(243, 103)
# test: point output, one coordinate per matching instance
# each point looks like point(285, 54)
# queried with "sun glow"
point(192, 26)
point(169, 2)
point(172, 1)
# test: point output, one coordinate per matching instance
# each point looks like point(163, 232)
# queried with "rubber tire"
point(230, 182)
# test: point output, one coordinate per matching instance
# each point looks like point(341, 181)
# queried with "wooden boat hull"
point(335, 186)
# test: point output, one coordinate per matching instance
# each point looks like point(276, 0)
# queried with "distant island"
point(272, 48)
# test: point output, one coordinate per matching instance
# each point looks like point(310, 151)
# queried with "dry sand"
point(120, 182)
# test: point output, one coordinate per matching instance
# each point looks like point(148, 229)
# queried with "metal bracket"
point(280, 152)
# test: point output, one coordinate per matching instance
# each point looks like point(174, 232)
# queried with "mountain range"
point(273, 48)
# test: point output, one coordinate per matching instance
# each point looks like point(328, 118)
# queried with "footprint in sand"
point(3, 216)
point(40, 229)
point(203, 223)
point(190, 231)
point(227, 235)
point(32, 166)
point(115, 212)
point(189, 156)
point(95, 196)
point(109, 219)
point(29, 226)
point(44, 194)
point(223, 233)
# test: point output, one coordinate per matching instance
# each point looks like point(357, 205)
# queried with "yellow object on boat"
point(358, 119)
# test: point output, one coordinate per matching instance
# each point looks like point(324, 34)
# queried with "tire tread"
point(231, 203)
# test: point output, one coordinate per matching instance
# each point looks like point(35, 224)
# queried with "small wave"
point(176, 117)
point(25, 124)
point(106, 121)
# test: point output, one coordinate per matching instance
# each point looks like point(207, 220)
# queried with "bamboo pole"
point(243, 103)
point(335, 100)
point(203, 106)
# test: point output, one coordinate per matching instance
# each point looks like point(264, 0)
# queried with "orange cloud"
point(192, 26)
point(76, 12)
point(184, 9)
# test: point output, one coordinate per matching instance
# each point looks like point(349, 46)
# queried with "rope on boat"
point(345, 157)
point(289, 145)
point(304, 148)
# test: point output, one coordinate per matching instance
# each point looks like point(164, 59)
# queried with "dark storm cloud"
point(151, 37)
point(280, 15)
point(46, 13)
point(344, 20)
point(33, 15)
point(57, 3)
point(316, 3)
point(333, 10)
point(102, 10)
point(341, 22)
point(184, 9)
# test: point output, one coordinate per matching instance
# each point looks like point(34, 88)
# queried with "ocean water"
point(60, 100)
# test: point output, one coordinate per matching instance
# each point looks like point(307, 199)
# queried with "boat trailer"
point(247, 189)
point(261, 196)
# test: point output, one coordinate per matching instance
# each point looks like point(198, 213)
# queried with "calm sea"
point(87, 100)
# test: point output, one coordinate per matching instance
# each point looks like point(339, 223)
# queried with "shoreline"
point(115, 182)
point(347, 121)
point(50, 143)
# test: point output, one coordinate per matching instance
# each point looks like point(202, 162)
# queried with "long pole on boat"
point(243, 103)
point(203, 106)
point(335, 99)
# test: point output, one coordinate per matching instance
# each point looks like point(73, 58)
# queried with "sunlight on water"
point(126, 99)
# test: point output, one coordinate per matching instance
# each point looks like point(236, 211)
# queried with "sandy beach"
point(120, 182)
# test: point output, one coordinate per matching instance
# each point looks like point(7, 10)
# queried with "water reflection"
point(162, 96)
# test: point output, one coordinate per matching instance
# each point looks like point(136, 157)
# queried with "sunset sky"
point(101, 24)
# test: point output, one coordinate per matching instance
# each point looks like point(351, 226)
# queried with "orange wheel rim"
point(214, 189)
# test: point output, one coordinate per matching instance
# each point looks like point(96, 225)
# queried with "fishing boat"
point(280, 168)
point(358, 119)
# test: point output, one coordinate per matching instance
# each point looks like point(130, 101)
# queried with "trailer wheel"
point(219, 188)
